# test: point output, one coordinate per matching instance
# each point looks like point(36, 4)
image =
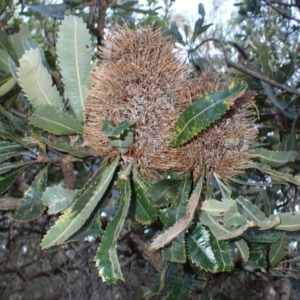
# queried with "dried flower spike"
point(142, 79)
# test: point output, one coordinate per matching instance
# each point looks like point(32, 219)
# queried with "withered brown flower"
point(142, 79)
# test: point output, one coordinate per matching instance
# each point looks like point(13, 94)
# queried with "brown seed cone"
point(141, 79)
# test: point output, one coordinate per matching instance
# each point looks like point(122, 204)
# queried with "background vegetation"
point(259, 45)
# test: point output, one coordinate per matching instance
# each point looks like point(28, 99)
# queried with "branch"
point(232, 64)
point(282, 13)
point(9, 203)
point(102, 7)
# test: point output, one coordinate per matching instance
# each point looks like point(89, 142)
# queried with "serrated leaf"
point(32, 73)
point(82, 207)
point(7, 166)
point(217, 208)
point(274, 158)
point(8, 146)
point(16, 41)
point(204, 111)
point(123, 143)
point(53, 120)
point(257, 260)
point(8, 179)
point(4, 56)
point(58, 198)
point(110, 130)
point(289, 221)
point(163, 192)
point(106, 256)
point(7, 155)
point(74, 55)
point(7, 86)
point(6, 45)
point(92, 227)
point(219, 230)
point(182, 287)
point(200, 250)
point(278, 176)
point(64, 147)
point(31, 206)
point(175, 251)
point(243, 248)
point(18, 123)
point(180, 226)
point(145, 213)
point(251, 211)
point(223, 254)
point(232, 218)
point(256, 236)
point(268, 205)
point(276, 253)
point(6, 132)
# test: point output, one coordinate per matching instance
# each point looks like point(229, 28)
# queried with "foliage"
point(204, 220)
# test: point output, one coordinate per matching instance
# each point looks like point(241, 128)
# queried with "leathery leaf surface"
point(106, 257)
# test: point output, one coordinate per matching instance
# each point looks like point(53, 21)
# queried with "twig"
point(102, 8)
point(232, 64)
point(282, 13)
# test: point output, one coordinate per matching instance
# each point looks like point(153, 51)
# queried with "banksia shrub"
point(142, 79)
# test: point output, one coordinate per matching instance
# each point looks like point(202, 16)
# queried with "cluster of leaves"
point(194, 236)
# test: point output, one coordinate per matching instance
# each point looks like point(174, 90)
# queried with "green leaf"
point(204, 111)
point(58, 198)
point(291, 141)
point(18, 123)
point(163, 192)
point(53, 120)
point(268, 205)
point(7, 86)
point(31, 206)
point(289, 221)
point(4, 56)
point(91, 227)
point(64, 147)
point(8, 146)
point(274, 158)
point(32, 73)
point(218, 228)
point(182, 287)
point(243, 248)
point(251, 211)
point(145, 213)
point(7, 155)
point(6, 167)
point(201, 10)
point(110, 130)
point(106, 257)
point(291, 113)
point(208, 253)
point(74, 55)
point(17, 41)
point(8, 179)
point(82, 207)
point(6, 45)
point(256, 236)
point(175, 251)
point(286, 71)
point(278, 176)
point(181, 225)
point(276, 253)
point(257, 260)
point(217, 208)
point(6, 132)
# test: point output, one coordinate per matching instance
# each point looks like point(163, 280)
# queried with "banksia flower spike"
point(141, 79)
